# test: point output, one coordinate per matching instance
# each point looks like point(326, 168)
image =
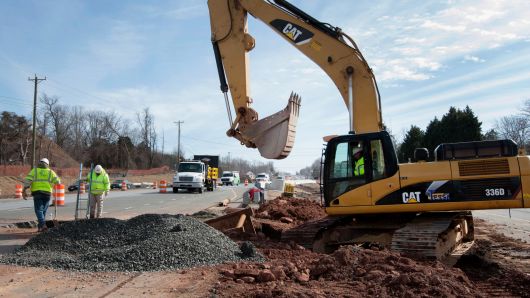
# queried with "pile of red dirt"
point(349, 271)
point(299, 210)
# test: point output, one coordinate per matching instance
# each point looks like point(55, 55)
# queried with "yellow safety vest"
point(359, 167)
point(99, 184)
point(42, 179)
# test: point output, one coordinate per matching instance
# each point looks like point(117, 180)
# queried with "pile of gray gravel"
point(147, 242)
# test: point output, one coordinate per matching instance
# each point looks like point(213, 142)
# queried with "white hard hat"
point(45, 160)
point(98, 169)
point(356, 150)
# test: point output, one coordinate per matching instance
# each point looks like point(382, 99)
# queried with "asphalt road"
point(125, 204)
point(514, 223)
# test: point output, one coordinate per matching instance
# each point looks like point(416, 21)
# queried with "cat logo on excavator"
point(295, 33)
point(411, 197)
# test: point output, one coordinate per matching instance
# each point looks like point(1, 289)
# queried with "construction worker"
point(358, 160)
point(99, 189)
point(41, 180)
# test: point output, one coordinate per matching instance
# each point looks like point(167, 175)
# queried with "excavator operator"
point(358, 161)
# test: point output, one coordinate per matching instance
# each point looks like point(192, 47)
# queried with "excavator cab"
point(354, 161)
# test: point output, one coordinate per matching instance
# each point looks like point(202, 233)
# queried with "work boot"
point(43, 229)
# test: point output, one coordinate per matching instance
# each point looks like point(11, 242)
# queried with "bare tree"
point(58, 115)
point(148, 135)
point(515, 127)
point(526, 108)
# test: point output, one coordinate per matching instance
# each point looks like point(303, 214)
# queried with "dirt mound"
point(299, 210)
point(350, 271)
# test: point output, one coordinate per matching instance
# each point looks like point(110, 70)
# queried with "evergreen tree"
point(455, 126)
point(414, 138)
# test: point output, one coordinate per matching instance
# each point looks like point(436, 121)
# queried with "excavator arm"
point(325, 45)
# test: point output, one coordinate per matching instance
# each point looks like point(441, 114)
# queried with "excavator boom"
point(325, 45)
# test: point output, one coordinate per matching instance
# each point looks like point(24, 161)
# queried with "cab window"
point(378, 159)
point(347, 168)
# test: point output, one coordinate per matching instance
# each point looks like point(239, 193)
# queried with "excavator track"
point(305, 234)
point(433, 235)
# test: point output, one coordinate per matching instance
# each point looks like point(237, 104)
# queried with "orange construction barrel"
point(82, 188)
point(123, 185)
point(163, 186)
point(18, 191)
point(58, 194)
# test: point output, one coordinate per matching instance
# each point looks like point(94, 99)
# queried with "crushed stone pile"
point(348, 272)
point(148, 242)
point(300, 210)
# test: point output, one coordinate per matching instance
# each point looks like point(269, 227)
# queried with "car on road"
point(116, 184)
point(230, 178)
point(263, 177)
point(75, 185)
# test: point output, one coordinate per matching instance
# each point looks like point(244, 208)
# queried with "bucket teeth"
point(274, 135)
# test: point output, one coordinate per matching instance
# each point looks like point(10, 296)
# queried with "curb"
point(32, 224)
point(23, 224)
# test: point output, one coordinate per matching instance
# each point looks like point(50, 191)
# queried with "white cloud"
point(472, 58)
point(442, 27)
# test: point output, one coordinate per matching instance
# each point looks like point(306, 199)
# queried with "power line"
point(192, 138)
point(16, 103)
point(103, 100)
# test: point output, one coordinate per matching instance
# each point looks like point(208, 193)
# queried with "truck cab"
point(190, 175)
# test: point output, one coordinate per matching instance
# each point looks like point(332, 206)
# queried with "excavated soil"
point(299, 210)
point(497, 266)
point(348, 272)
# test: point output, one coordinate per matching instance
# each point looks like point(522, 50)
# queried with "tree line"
point(98, 137)
point(463, 126)
point(226, 163)
point(90, 136)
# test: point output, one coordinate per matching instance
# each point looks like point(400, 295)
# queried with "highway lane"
point(125, 204)
point(514, 223)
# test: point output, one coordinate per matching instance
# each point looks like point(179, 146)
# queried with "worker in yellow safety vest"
point(358, 159)
point(41, 180)
point(99, 189)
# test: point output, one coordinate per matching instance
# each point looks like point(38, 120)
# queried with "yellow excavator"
point(421, 208)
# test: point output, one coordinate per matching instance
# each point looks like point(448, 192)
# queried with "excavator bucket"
point(274, 135)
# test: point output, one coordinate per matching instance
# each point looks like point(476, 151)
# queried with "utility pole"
point(36, 80)
point(178, 146)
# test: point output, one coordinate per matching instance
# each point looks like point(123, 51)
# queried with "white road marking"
point(234, 196)
point(147, 204)
point(127, 208)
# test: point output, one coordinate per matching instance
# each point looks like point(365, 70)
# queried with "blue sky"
point(127, 55)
